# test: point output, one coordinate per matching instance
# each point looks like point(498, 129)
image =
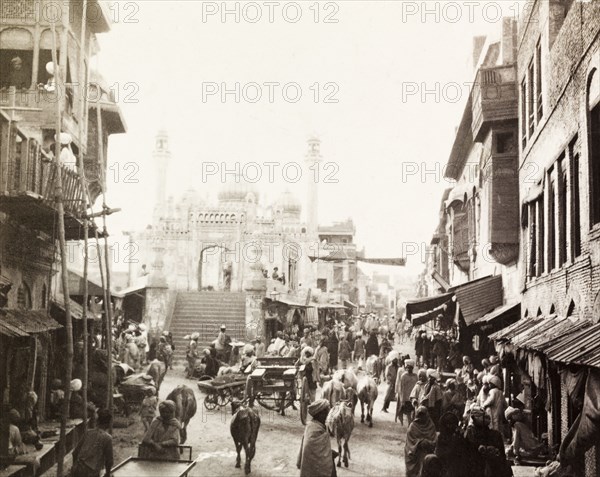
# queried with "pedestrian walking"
point(359, 350)
point(390, 375)
point(315, 458)
point(420, 441)
point(332, 347)
point(344, 352)
point(404, 386)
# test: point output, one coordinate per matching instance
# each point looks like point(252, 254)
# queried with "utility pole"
point(83, 104)
point(63, 247)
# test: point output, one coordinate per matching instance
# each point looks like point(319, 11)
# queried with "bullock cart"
point(147, 467)
point(220, 391)
point(277, 384)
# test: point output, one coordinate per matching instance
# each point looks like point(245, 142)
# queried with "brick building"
point(473, 254)
point(558, 60)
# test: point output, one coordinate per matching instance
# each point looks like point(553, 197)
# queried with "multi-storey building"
point(36, 99)
point(471, 262)
point(558, 72)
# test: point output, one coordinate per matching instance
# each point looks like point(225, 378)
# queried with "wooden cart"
point(220, 391)
point(144, 467)
point(277, 384)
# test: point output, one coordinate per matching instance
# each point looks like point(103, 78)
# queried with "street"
point(378, 451)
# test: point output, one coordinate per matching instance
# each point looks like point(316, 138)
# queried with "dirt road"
point(376, 451)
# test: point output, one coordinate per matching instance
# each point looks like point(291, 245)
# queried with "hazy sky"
point(377, 61)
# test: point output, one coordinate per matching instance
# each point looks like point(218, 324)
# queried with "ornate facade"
point(196, 243)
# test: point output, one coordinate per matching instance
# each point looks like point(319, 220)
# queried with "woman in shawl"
point(162, 439)
point(315, 458)
point(332, 347)
point(420, 441)
point(372, 347)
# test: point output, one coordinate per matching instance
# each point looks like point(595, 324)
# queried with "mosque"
point(196, 244)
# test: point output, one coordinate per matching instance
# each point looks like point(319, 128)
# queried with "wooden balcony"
point(494, 98)
point(35, 109)
point(28, 192)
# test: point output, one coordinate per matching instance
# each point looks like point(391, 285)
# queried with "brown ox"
point(185, 407)
point(157, 370)
point(340, 423)
point(244, 430)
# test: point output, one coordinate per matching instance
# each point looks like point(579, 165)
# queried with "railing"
point(29, 173)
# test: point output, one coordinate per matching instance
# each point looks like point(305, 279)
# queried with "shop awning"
point(21, 323)
point(349, 304)
point(426, 305)
point(504, 311)
point(332, 306)
point(75, 308)
point(418, 320)
point(479, 297)
point(508, 333)
point(135, 289)
point(290, 301)
point(542, 337)
point(580, 347)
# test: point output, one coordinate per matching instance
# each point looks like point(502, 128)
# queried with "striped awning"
point(312, 316)
point(580, 347)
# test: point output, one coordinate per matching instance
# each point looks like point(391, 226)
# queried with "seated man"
point(524, 443)
point(16, 448)
point(15, 443)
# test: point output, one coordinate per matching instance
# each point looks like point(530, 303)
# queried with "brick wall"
point(570, 49)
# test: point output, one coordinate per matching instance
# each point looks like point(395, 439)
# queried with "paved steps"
point(205, 312)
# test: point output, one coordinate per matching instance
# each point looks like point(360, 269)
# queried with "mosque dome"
point(238, 189)
point(289, 203)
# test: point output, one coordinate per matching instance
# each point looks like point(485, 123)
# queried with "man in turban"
point(162, 439)
point(316, 458)
point(485, 447)
point(405, 382)
point(495, 404)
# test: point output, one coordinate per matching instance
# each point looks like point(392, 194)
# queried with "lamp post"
point(208, 247)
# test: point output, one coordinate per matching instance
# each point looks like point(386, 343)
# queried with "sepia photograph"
point(303, 238)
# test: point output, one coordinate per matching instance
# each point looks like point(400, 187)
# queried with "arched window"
point(16, 43)
point(526, 314)
point(593, 103)
point(553, 309)
point(539, 312)
point(24, 297)
point(572, 310)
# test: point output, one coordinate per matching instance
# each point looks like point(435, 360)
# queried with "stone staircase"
point(205, 312)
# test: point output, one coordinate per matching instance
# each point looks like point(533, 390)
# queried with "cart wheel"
point(268, 401)
point(224, 397)
point(211, 401)
point(304, 399)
